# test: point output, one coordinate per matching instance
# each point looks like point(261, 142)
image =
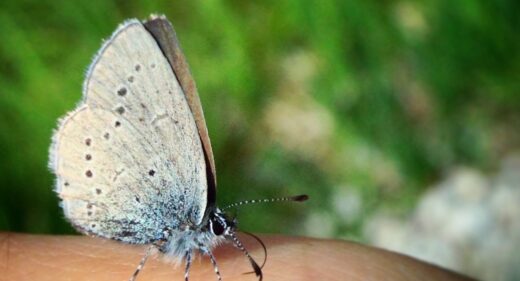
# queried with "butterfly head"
point(221, 224)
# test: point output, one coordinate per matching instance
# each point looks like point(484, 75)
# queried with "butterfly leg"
point(188, 264)
point(213, 261)
point(141, 263)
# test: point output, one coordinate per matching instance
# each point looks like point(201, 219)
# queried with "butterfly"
point(133, 162)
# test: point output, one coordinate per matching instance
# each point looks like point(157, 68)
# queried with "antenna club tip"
point(301, 198)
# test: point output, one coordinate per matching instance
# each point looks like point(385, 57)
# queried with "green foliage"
point(376, 97)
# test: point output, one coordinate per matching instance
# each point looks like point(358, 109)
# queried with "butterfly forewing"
point(129, 160)
point(164, 34)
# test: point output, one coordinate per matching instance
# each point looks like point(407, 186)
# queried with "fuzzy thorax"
point(181, 242)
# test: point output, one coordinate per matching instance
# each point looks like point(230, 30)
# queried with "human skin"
point(45, 257)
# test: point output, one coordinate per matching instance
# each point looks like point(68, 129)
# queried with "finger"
point(39, 257)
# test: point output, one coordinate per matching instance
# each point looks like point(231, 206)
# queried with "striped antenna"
point(297, 198)
point(257, 269)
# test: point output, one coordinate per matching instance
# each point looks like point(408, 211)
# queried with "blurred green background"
point(361, 104)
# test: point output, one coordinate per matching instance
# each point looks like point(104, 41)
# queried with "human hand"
point(44, 257)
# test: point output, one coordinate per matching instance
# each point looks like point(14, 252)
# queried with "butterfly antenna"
point(263, 247)
point(256, 269)
point(297, 198)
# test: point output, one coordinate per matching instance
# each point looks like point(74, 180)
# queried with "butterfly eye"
point(216, 227)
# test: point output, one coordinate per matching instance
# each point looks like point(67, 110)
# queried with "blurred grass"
point(376, 98)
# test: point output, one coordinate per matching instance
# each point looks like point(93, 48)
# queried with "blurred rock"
point(294, 119)
point(347, 204)
point(320, 224)
point(469, 223)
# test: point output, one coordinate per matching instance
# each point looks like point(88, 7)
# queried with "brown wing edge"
point(164, 34)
